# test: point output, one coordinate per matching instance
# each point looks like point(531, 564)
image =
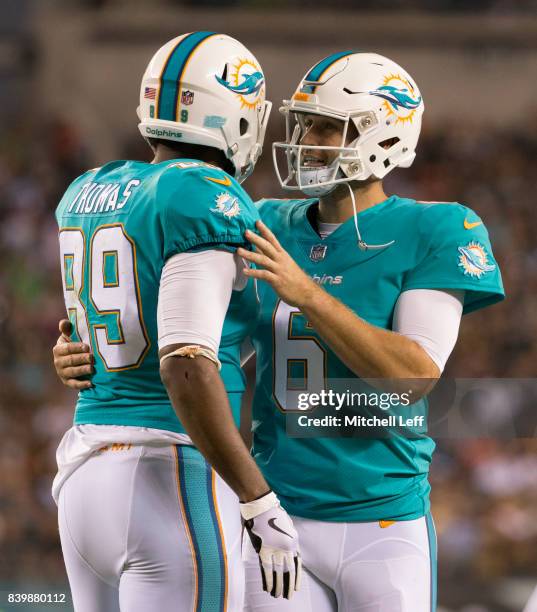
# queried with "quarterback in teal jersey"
point(358, 285)
point(151, 474)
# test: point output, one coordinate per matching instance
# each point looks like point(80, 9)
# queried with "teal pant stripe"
point(317, 71)
point(218, 539)
point(431, 533)
point(196, 492)
point(173, 72)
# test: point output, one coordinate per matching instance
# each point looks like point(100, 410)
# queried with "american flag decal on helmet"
point(150, 93)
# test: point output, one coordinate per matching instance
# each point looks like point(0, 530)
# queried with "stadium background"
point(69, 74)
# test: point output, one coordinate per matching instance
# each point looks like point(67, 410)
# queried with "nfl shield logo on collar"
point(187, 97)
point(318, 252)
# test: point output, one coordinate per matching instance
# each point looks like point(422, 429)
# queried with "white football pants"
point(355, 567)
point(148, 529)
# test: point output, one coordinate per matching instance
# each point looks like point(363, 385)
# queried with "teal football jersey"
point(435, 246)
point(118, 226)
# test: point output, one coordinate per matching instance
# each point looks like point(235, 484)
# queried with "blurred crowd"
point(484, 490)
point(493, 6)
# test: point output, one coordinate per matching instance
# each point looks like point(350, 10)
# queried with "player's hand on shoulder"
point(275, 266)
point(72, 359)
point(275, 540)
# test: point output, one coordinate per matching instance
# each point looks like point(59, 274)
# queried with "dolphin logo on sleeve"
point(473, 260)
point(227, 205)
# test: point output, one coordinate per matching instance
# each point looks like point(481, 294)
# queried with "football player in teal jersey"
point(358, 285)
point(153, 285)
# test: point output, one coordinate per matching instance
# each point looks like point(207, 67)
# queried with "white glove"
point(275, 540)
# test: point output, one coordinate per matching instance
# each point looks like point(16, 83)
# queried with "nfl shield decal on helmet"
point(473, 260)
point(227, 205)
point(318, 252)
point(187, 97)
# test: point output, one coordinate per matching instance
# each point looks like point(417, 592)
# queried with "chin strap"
point(362, 244)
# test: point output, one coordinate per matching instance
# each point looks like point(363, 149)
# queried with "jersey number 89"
point(118, 331)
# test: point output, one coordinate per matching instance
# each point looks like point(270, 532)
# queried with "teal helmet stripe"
point(172, 74)
point(319, 69)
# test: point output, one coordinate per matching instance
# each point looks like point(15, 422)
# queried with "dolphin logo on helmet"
point(396, 97)
point(252, 84)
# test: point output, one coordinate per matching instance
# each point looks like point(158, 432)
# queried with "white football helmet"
point(377, 95)
point(207, 89)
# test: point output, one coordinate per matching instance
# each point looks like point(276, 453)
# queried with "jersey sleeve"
point(455, 253)
point(203, 208)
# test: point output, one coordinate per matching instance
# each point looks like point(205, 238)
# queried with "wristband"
point(250, 510)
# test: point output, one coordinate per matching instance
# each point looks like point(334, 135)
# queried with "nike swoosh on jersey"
point(384, 524)
point(468, 225)
point(272, 523)
point(226, 182)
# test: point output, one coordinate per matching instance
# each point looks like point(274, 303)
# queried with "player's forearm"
point(200, 401)
point(367, 350)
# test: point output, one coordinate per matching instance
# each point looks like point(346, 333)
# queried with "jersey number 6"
point(299, 358)
point(113, 294)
